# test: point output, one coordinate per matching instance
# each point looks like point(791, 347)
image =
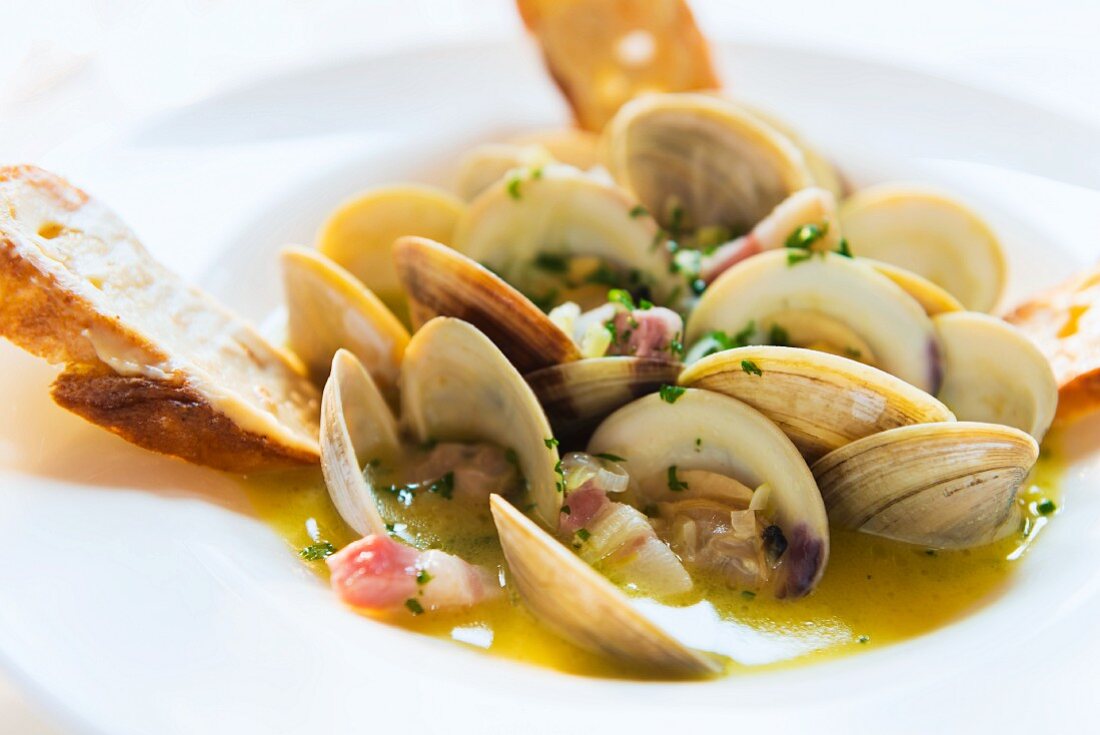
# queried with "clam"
point(931, 234)
point(440, 281)
point(821, 401)
point(576, 393)
point(701, 430)
point(328, 309)
point(487, 164)
point(993, 373)
point(932, 298)
point(358, 235)
point(571, 598)
point(825, 301)
point(698, 161)
point(455, 387)
point(532, 226)
point(946, 485)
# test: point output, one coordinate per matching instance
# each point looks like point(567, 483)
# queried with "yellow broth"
point(875, 592)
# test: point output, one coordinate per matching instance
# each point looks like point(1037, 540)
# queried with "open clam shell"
point(702, 430)
point(946, 485)
point(826, 301)
point(443, 282)
point(820, 401)
point(560, 211)
point(329, 309)
point(457, 386)
point(573, 599)
point(356, 425)
point(358, 235)
point(931, 234)
point(716, 163)
point(993, 373)
point(578, 395)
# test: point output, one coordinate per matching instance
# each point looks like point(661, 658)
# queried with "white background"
point(66, 67)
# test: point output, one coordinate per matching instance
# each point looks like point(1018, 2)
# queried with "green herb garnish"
point(423, 577)
point(843, 249)
point(778, 336)
point(803, 238)
point(750, 367)
point(414, 606)
point(317, 551)
point(748, 594)
point(550, 443)
point(1046, 507)
point(621, 297)
point(638, 210)
point(513, 187)
point(583, 534)
point(670, 393)
point(794, 257)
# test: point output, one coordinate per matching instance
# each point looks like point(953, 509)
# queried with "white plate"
point(138, 595)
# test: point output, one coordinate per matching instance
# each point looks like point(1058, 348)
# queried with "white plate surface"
point(139, 595)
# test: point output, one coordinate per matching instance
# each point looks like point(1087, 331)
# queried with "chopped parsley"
point(550, 443)
point(1046, 507)
point(778, 336)
point(638, 210)
point(843, 249)
point(317, 551)
point(513, 187)
point(406, 494)
point(676, 220)
point(676, 346)
point(622, 297)
point(804, 237)
point(852, 353)
point(698, 443)
point(723, 341)
point(422, 577)
point(863, 639)
point(750, 367)
point(794, 257)
point(610, 457)
point(583, 534)
point(536, 173)
point(552, 262)
point(670, 393)
point(748, 594)
point(609, 325)
point(414, 606)
point(674, 483)
point(560, 484)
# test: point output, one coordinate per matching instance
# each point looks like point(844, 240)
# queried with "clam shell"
point(946, 485)
point(566, 212)
point(820, 401)
point(578, 395)
point(931, 234)
point(329, 309)
point(721, 165)
point(571, 146)
point(443, 282)
point(359, 233)
point(571, 598)
point(356, 426)
point(841, 291)
point(457, 386)
point(993, 373)
point(702, 430)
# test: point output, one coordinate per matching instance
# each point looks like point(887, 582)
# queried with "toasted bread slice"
point(146, 356)
point(603, 53)
point(1065, 323)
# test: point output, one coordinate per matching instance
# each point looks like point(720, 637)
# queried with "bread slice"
point(1065, 323)
point(146, 356)
point(603, 53)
